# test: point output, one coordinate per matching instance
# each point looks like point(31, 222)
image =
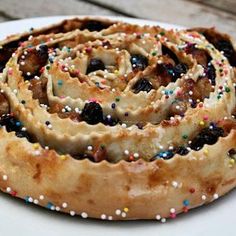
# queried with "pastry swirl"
point(117, 121)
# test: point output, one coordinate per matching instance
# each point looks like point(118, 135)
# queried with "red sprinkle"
point(192, 190)
point(185, 209)
point(172, 215)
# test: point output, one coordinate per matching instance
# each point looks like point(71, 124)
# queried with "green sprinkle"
point(219, 96)
point(227, 89)
point(154, 53)
point(162, 33)
point(117, 99)
point(102, 146)
point(185, 136)
point(47, 67)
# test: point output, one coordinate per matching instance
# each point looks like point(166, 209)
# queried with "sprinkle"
point(110, 217)
point(113, 105)
point(185, 136)
point(203, 197)
point(136, 155)
point(186, 202)
point(8, 189)
point(36, 146)
point(202, 123)
point(63, 157)
point(158, 217)
point(123, 214)
point(126, 209)
point(215, 196)
point(118, 212)
point(172, 210)
point(90, 148)
point(126, 152)
point(174, 184)
point(117, 99)
point(64, 205)
point(36, 201)
point(4, 177)
point(163, 220)
point(103, 216)
point(84, 215)
point(72, 213)
point(59, 82)
point(206, 151)
point(58, 208)
point(172, 215)
point(41, 197)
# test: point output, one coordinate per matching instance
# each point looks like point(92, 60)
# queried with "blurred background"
point(190, 13)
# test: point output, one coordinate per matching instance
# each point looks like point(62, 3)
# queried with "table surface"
point(190, 13)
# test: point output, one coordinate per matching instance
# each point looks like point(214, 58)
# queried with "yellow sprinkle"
point(232, 161)
point(116, 72)
point(201, 123)
point(126, 209)
point(63, 157)
point(36, 145)
point(206, 151)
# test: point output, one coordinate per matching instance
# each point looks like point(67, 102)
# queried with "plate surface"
point(17, 217)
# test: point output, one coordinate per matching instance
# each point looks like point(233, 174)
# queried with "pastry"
point(117, 121)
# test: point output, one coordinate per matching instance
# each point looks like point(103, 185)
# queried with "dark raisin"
point(95, 64)
point(110, 121)
point(142, 85)
point(179, 69)
point(93, 25)
point(138, 61)
point(84, 156)
point(92, 113)
point(206, 136)
point(167, 51)
point(182, 151)
point(22, 134)
point(11, 123)
point(226, 47)
point(211, 73)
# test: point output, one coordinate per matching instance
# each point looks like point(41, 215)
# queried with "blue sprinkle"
point(49, 205)
point(59, 82)
point(18, 123)
point(186, 202)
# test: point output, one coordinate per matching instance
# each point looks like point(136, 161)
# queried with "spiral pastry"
point(117, 121)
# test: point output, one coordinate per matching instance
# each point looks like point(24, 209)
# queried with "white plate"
point(17, 217)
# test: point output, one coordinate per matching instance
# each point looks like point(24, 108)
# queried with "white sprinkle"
point(177, 107)
point(124, 125)
point(215, 196)
point(84, 215)
point(174, 184)
point(159, 61)
point(163, 220)
point(126, 152)
point(4, 177)
point(37, 152)
point(72, 213)
point(15, 91)
point(58, 208)
point(108, 116)
point(41, 197)
point(161, 147)
point(90, 148)
point(23, 128)
point(136, 155)
point(8, 189)
point(30, 199)
point(172, 210)
point(52, 208)
point(190, 92)
point(158, 217)
point(28, 73)
point(22, 63)
point(103, 216)
point(36, 201)
point(46, 148)
point(123, 214)
point(118, 212)
point(110, 217)
point(203, 197)
point(64, 205)
point(49, 126)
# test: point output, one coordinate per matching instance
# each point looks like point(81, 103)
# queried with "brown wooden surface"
point(190, 13)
